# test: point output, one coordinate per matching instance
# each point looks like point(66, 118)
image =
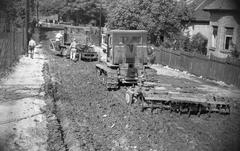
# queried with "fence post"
point(180, 60)
point(26, 26)
point(12, 51)
point(209, 66)
point(192, 62)
point(225, 74)
point(23, 41)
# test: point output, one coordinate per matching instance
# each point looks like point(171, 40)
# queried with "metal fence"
point(11, 42)
point(209, 67)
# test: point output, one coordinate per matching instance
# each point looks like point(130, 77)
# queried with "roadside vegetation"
point(164, 20)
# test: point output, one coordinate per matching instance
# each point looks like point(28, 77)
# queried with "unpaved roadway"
point(23, 124)
point(93, 118)
point(82, 115)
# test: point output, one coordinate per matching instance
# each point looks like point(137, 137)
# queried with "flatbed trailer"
point(177, 100)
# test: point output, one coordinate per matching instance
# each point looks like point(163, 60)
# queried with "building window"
point(214, 36)
point(228, 38)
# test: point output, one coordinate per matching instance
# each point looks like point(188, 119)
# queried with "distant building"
point(201, 19)
point(224, 27)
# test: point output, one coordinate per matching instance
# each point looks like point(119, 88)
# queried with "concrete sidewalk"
point(22, 122)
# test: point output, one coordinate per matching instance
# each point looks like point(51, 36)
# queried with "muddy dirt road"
point(92, 118)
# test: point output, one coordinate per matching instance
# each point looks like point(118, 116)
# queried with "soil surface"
point(93, 118)
point(81, 115)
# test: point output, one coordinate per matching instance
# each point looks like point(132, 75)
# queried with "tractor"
point(126, 53)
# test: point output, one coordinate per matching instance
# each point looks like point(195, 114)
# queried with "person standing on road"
point(73, 50)
point(58, 42)
point(31, 46)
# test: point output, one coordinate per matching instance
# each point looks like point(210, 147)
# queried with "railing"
point(11, 42)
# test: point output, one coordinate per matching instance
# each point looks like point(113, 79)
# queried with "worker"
point(31, 47)
point(73, 49)
point(58, 41)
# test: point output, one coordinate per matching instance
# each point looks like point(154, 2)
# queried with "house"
point(224, 25)
point(201, 18)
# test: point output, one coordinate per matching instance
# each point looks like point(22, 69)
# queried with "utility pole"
point(77, 21)
point(37, 9)
point(100, 24)
point(26, 26)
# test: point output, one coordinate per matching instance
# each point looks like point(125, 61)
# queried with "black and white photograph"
point(119, 75)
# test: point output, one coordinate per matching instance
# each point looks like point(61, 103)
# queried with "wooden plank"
point(199, 65)
point(217, 103)
point(173, 60)
point(156, 84)
point(185, 61)
point(232, 72)
point(183, 99)
point(158, 98)
point(217, 67)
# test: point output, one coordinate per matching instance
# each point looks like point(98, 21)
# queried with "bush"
point(199, 44)
point(167, 43)
point(234, 51)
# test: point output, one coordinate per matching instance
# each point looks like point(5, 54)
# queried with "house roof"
point(222, 5)
point(199, 14)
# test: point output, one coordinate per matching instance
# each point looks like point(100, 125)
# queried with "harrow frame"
point(176, 100)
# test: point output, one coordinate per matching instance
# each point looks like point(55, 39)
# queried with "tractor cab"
point(125, 46)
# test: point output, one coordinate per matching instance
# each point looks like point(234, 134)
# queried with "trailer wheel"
point(129, 98)
point(80, 56)
point(99, 74)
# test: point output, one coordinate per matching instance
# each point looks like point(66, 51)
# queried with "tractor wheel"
point(129, 98)
point(99, 74)
point(104, 79)
point(80, 56)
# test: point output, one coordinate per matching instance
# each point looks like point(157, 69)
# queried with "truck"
point(81, 34)
point(126, 53)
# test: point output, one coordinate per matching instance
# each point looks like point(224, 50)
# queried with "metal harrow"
point(178, 100)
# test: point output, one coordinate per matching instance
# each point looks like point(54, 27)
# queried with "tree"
point(199, 44)
point(123, 15)
point(83, 11)
point(162, 18)
point(14, 10)
point(47, 7)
